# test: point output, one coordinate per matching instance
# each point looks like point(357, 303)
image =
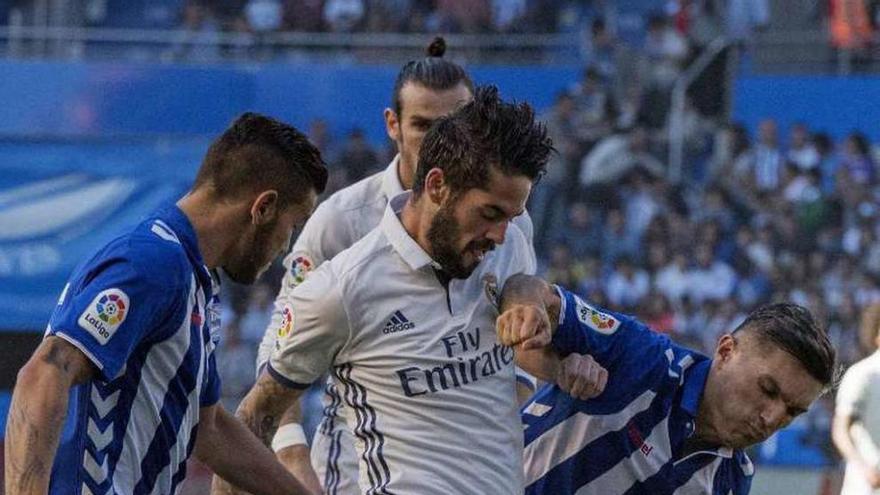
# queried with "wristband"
point(289, 435)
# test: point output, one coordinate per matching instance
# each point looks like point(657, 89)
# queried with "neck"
point(405, 172)
point(210, 221)
point(416, 222)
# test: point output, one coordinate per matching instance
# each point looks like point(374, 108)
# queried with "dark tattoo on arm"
point(38, 409)
point(262, 408)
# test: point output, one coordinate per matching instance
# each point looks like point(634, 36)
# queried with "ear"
point(436, 188)
point(265, 209)
point(726, 347)
point(392, 124)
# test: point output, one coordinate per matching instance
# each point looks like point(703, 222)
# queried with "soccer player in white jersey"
point(404, 319)
point(856, 427)
point(425, 90)
point(129, 347)
point(670, 421)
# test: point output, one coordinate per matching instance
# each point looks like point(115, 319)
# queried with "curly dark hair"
point(258, 153)
point(793, 329)
point(487, 132)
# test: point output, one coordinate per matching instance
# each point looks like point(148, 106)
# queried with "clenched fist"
point(581, 376)
point(526, 325)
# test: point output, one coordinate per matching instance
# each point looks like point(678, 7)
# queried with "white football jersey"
point(344, 218)
point(429, 393)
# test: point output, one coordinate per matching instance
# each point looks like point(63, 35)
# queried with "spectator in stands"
point(627, 285)
point(744, 17)
point(856, 162)
point(547, 199)
point(616, 155)
point(856, 427)
point(358, 158)
point(665, 50)
point(827, 161)
point(263, 16)
point(599, 49)
point(343, 16)
point(304, 15)
point(617, 240)
point(709, 279)
point(767, 160)
point(595, 106)
point(200, 41)
point(801, 151)
point(506, 15)
point(581, 233)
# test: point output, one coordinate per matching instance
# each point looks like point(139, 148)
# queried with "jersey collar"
point(183, 229)
point(391, 186)
point(400, 240)
point(694, 383)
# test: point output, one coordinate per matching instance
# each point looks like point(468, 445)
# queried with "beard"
point(443, 235)
point(252, 256)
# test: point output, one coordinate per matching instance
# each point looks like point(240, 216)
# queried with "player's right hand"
point(524, 324)
point(581, 376)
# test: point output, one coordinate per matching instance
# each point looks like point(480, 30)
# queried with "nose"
point(773, 417)
point(497, 232)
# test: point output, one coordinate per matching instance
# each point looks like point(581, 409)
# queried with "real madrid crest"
point(490, 288)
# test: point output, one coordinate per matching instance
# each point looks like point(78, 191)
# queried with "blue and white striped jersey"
point(630, 439)
point(142, 310)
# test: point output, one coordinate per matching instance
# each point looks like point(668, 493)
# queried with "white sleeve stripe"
point(562, 305)
point(72, 341)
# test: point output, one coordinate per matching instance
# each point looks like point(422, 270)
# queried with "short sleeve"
point(312, 331)
point(852, 392)
point(108, 309)
point(524, 222)
point(322, 238)
point(610, 338)
point(211, 386)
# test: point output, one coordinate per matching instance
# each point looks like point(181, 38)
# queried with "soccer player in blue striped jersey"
point(670, 420)
point(128, 353)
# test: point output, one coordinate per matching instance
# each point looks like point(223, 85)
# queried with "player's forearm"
point(36, 418)
point(841, 435)
point(236, 455)
point(296, 458)
point(528, 289)
point(37, 413)
point(260, 412)
point(542, 363)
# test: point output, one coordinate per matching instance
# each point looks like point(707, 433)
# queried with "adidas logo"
point(398, 323)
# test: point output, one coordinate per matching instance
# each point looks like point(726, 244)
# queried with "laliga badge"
point(286, 322)
point(104, 315)
point(490, 288)
point(597, 320)
point(299, 268)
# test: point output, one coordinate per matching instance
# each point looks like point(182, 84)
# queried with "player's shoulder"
point(157, 254)
point(365, 253)
point(860, 370)
point(364, 194)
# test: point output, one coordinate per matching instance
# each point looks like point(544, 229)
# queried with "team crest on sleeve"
point(597, 320)
point(490, 288)
point(299, 268)
point(286, 322)
point(105, 314)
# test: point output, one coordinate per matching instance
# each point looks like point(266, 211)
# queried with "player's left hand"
point(526, 325)
point(581, 376)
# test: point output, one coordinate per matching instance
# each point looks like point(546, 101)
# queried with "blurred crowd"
point(758, 215)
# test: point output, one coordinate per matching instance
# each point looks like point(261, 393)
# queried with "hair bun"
point(437, 47)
